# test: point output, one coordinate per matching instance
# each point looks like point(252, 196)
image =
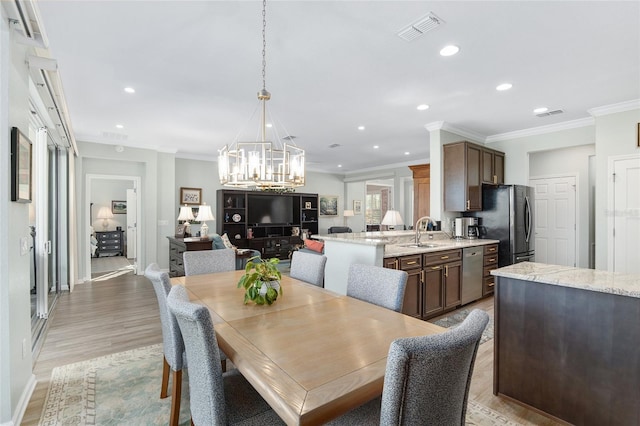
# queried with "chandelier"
point(262, 164)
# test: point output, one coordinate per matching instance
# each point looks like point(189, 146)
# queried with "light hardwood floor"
point(122, 313)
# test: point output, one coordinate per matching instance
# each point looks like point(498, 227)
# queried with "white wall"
point(573, 161)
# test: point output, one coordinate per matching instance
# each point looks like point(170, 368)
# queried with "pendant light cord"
point(264, 44)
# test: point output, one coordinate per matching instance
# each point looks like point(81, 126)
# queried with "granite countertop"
point(566, 276)
point(397, 243)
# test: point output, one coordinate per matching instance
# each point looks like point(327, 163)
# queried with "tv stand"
point(273, 239)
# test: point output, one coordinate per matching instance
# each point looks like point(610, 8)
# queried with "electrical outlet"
point(24, 246)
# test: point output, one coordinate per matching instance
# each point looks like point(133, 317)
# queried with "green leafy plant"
point(261, 281)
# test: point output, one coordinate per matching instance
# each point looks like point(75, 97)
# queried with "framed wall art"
point(118, 207)
point(328, 205)
point(191, 196)
point(357, 206)
point(20, 167)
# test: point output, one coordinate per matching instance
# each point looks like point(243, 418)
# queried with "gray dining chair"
point(375, 284)
point(209, 261)
point(308, 267)
point(215, 398)
point(172, 344)
point(426, 380)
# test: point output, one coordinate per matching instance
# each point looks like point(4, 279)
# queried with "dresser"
point(110, 242)
point(177, 246)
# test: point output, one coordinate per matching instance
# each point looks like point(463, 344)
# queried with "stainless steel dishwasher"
point(472, 274)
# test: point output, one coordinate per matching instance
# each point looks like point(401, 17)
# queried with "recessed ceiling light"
point(376, 146)
point(422, 107)
point(269, 125)
point(339, 165)
point(504, 86)
point(130, 90)
point(407, 153)
point(540, 110)
point(119, 126)
point(360, 127)
point(449, 50)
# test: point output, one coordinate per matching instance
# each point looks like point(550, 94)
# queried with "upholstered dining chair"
point(172, 344)
point(426, 380)
point(209, 261)
point(215, 398)
point(308, 267)
point(375, 284)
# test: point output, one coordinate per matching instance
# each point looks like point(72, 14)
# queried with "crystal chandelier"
point(262, 164)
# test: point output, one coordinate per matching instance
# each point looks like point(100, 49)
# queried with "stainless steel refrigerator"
point(507, 215)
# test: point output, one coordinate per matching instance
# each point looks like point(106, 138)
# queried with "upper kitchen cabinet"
point(492, 166)
point(462, 177)
point(421, 190)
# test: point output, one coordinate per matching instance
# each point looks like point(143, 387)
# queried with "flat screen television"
point(269, 209)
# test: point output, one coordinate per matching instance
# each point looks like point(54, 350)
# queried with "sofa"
point(339, 230)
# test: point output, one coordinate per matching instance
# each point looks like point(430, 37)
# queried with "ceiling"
point(333, 66)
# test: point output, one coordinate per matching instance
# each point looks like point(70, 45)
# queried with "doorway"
point(112, 213)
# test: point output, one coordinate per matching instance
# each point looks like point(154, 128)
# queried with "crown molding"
point(615, 108)
point(565, 125)
point(443, 125)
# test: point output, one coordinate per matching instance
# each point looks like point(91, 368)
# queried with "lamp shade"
point(105, 213)
point(204, 213)
point(348, 213)
point(392, 218)
point(185, 213)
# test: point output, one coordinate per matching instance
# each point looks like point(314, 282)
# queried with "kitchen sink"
point(420, 245)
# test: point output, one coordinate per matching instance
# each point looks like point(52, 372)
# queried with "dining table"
point(313, 354)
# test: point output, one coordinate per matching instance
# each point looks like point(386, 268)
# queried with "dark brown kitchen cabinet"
point(492, 166)
point(421, 190)
point(466, 166)
point(412, 265)
point(462, 177)
point(490, 263)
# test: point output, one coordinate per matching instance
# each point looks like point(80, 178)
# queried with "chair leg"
point(224, 365)
point(165, 378)
point(176, 394)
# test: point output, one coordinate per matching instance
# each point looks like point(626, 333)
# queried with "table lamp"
point(105, 214)
point(204, 214)
point(346, 214)
point(392, 218)
point(186, 215)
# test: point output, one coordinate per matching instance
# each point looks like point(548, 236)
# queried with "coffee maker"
point(473, 228)
point(465, 228)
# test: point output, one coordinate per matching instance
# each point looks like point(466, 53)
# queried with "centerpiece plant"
point(261, 281)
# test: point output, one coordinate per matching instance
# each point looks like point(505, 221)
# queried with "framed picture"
point(190, 196)
point(357, 206)
point(328, 205)
point(118, 207)
point(307, 204)
point(20, 167)
point(180, 231)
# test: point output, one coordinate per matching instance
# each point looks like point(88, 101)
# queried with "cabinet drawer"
point(410, 262)
point(109, 247)
point(488, 269)
point(491, 249)
point(488, 285)
point(108, 236)
point(490, 259)
point(442, 257)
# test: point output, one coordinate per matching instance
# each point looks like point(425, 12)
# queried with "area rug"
point(124, 389)
point(456, 317)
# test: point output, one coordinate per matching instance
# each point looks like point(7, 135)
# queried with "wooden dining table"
point(313, 354)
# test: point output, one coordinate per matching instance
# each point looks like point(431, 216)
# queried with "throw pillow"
point(218, 244)
point(225, 240)
point(314, 245)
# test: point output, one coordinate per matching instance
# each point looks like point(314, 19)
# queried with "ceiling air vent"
point(334, 145)
point(548, 113)
point(419, 27)
point(115, 136)
point(289, 138)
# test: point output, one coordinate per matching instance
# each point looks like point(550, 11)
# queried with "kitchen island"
point(567, 342)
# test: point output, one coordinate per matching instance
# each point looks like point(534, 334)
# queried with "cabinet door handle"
point(468, 204)
point(436, 267)
point(396, 263)
point(422, 279)
point(495, 178)
point(492, 259)
point(446, 270)
point(413, 262)
point(444, 257)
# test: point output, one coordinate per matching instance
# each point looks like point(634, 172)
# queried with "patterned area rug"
point(456, 317)
point(124, 389)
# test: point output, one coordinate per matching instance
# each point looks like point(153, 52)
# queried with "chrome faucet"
point(426, 220)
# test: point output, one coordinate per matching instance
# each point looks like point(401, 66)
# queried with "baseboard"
point(21, 408)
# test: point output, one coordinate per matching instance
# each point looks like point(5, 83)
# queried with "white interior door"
point(626, 217)
point(132, 225)
point(555, 220)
